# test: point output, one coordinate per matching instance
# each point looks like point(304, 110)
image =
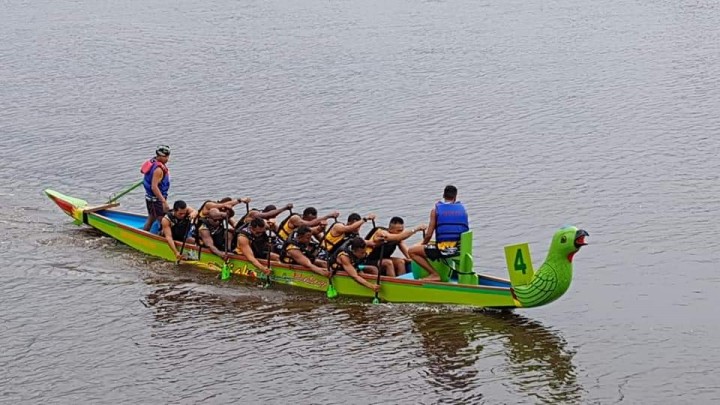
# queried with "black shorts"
point(154, 208)
point(432, 252)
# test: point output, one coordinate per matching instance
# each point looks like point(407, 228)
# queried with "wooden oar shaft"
point(129, 189)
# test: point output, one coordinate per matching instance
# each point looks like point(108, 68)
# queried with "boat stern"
point(70, 205)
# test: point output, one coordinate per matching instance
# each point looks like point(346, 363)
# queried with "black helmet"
point(162, 150)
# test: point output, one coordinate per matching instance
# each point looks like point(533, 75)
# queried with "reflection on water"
point(537, 360)
point(600, 114)
point(457, 354)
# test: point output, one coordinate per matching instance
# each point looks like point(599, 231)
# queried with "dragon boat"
point(459, 285)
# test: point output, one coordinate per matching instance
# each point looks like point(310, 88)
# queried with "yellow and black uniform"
point(284, 230)
point(305, 248)
point(330, 243)
point(387, 248)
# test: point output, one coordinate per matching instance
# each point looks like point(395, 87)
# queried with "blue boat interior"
point(131, 220)
point(482, 280)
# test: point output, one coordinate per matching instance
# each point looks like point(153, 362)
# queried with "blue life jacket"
point(164, 185)
point(451, 220)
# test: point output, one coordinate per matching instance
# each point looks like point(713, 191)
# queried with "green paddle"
point(225, 272)
point(266, 283)
point(331, 291)
point(116, 197)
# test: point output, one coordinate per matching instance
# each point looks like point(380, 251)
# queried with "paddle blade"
point(376, 300)
point(225, 272)
point(331, 291)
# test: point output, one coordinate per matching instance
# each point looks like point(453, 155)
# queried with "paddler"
point(253, 242)
point(448, 220)
point(211, 232)
point(175, 225)
point(349, 258)
point(338, 233)
point(224, 205)
point(297, 250)
point(393, 236)
point(156, 182)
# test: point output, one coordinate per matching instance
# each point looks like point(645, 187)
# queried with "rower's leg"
point(148, 222)
point(388, 267)
point(417, 253)
point(399, 266)
point(155, 212)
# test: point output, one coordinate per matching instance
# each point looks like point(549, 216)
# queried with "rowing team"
point(305, 240)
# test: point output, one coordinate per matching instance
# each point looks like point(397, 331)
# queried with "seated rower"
point(297, 250)
point(212, 232)
point(253, 242)
point(349, 258)
point(176, 226)
point(386, 241)
point(340, 233)
point(448, 220)
point(309, 218)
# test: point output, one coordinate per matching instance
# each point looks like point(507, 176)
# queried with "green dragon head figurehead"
point(567, 241)
point(554, 276)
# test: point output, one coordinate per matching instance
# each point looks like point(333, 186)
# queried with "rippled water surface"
point(599, 114)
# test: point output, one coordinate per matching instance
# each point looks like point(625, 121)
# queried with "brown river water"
point(603, 115)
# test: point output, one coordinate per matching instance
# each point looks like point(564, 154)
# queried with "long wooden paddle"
point(225, 272)
point(331, 291)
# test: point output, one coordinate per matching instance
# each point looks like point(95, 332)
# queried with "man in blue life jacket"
point(157, 185)
point(448, 220)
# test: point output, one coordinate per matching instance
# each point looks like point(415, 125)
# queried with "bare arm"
point(271, 214)
point(350, 269)
point(208, 205)
point(235, 202)
point(302, 260)
point(315, 222)
point(244, 248)
point(398, 237)
point(167, 233)
point(354, 227)
point(430, 229)
point(404, 250)
point(208, 241)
